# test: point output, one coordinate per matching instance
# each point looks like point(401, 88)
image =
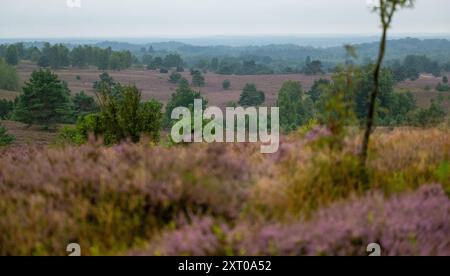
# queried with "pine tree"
point(250, 96)
point(44, 101)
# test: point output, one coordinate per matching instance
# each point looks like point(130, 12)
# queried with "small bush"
point(5, 138)
point(226, 84)
point(6, 108)
point(443, 87)
point(121, 118)
point(198, 79)
point(70, 135)
point(175, 77)
point(430, 117)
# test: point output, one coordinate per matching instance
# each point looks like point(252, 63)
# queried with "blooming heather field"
point(155, 85)
point(229, 199)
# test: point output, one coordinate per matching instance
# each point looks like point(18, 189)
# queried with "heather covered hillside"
point(240, 130)
point(223, 199)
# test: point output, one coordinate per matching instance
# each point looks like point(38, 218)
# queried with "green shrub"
point(5, 138)
point(71, 135)
point(84, 104)
point(184, 96)
point(443, 87)
point(6, 107)
point(226, 84)
point(120, 118)
point(432, 116)
point(290, 102)
point(198, 79)
point(175, 77)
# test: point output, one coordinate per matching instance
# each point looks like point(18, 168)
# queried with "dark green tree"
point(430, 117)
point(5, 138)
point(44, 101)
point(43, 61)
point(198, 79)
point(226, 84)
point(84, 104)
point(250, 96)
point(384, 95)
point(290, 102)
point(175, 77)
point(78, 57)
point(403, 105)
point(184, 96)
point(157, 62)
point(214, 64)
point(173, 60)
point(103, 57)
point(114, 61)
point(55, 56)
point(313, 68)
point(12, 55)
point(6, 107)
point(107, 83)
point(318, 89)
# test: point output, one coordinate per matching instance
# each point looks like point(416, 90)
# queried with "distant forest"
point(420, 56)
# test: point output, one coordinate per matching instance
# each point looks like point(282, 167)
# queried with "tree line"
point(58, 56)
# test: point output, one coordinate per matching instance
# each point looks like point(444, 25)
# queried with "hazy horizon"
point(103, 19)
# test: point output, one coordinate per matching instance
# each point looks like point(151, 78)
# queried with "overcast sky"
point(159, 18)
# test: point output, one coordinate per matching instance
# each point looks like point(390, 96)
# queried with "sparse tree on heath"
point(226, 84)
point(198, 79)
point(386, 9)
point(5, 138)
point(290, 102)
point(44, 101)
point(175, 77)
point(250, 96)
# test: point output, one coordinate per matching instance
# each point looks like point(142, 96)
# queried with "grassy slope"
point(8, 95)
point(25, 135)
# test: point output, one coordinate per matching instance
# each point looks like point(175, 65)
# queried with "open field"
point(8, 95)
point(25, 135)
point(155, 85)
point(426, 83)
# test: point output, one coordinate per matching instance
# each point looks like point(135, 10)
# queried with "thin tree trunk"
point(372, 103)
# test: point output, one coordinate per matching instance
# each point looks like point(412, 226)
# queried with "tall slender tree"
point(386, 10)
